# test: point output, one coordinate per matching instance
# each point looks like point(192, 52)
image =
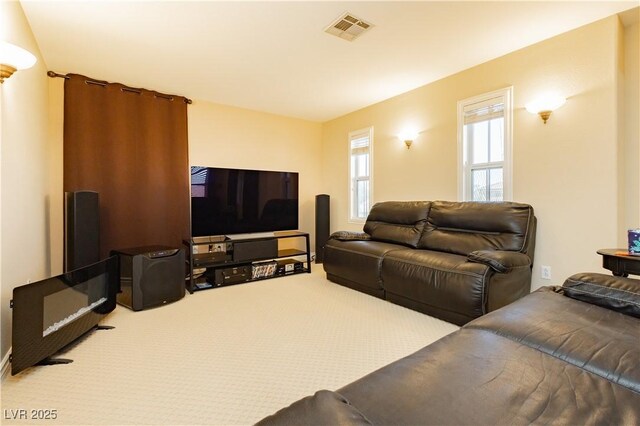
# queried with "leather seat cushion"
point(444, 281)
point(477, 377)
point(357, 261)
point(598, 340)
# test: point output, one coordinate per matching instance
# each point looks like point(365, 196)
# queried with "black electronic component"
point(150, 276)
point(81, 229)
point(322, 225)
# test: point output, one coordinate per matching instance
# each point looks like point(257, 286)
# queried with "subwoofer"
point(322, 225)
point(81, 229)
point(150, 276)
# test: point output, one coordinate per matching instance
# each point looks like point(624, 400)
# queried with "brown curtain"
point(129, 145)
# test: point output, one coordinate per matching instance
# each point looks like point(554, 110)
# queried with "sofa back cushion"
point(464, 227)
point(400, 222)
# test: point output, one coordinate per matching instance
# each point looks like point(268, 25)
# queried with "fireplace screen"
point(71, 303)
point(50, 314)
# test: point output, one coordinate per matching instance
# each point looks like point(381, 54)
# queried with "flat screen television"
point(234, 201)
point(52, 313)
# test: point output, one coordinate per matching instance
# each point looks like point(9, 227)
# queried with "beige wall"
point(631, 129)
point(567, 169)
point(24, 169)
point(225, 136)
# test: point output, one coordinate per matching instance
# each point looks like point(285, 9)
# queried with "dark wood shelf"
point(620, 262)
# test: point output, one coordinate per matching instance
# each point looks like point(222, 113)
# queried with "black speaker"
point(322, 225)
point(150, 276)
point(255, 250)
point(81, 229)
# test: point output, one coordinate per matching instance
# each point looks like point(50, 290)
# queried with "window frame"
point(464, 152)
point(356, 134)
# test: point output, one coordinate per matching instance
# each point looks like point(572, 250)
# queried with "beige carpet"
point(231, 355)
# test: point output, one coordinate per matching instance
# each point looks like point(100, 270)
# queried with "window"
point(198, 181)
point(484, 147)
point(360, 151)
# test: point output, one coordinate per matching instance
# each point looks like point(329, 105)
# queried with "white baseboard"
point(5, 364)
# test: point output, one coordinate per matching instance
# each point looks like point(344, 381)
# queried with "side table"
point(620, 262)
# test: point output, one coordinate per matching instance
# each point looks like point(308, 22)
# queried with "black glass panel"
point(50, 314)
point(233, 201)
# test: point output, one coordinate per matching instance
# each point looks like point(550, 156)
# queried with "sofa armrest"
point(610, 292)
point(350, 236)
point(498, 260)
point(323, 408)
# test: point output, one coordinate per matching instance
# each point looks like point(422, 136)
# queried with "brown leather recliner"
point(452, 260)
point(563, 355)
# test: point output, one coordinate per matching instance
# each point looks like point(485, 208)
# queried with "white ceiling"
point(275, 56)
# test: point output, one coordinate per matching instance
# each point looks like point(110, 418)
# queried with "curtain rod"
point(54, 74)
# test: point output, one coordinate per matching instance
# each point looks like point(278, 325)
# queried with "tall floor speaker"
point(322, 225)
point(150, 276)
point(81, 229)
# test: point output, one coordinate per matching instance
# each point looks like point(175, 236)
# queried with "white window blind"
point(483, 111)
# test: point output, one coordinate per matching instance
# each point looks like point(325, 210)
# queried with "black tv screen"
point(234, 201)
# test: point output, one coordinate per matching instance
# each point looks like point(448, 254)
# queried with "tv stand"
point(244, 258)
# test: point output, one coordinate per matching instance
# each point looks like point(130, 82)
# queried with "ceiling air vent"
point(348, 27)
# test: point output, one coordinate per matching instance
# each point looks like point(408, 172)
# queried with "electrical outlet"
point(545, 272)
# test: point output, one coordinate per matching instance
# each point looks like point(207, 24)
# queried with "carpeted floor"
point(224, 356)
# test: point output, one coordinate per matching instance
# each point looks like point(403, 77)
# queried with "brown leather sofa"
point(452, 260)
point(561, 355)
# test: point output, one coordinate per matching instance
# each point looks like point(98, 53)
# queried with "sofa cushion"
point(358, 262)
point(615, 293)
point(462, 228)
point(441, 282)
point(476, 377)
point(323, 408)
point(399, 222)
point(600, 341)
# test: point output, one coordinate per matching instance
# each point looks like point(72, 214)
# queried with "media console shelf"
point(225, 261)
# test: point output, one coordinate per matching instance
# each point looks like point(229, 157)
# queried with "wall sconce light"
point(13, 58)
point(408, 138)
point(545, 106)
